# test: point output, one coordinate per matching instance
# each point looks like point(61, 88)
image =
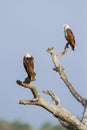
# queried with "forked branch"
point(57, 110)
point(67, 119)
point(63, 76)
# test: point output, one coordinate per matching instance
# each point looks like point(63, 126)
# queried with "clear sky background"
point(34, 26)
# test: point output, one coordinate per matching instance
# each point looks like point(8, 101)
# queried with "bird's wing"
point(32, 62)
point(70, 36)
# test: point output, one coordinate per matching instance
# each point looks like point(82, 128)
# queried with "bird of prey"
point(69, 36)
point(28, 62)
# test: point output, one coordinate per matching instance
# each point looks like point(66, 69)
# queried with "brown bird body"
point(69, 36)
point(28, 62)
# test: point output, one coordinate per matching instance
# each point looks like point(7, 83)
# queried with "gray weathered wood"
point(67, 119)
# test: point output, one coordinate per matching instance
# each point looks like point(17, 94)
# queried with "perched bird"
point(69, 36)
point(28, 62)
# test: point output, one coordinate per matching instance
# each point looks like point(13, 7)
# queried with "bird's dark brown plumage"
point(28, 63)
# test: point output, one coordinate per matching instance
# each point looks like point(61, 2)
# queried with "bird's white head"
point(27, 54)
point(66, 26)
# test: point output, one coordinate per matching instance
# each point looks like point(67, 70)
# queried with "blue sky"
point(34, 26)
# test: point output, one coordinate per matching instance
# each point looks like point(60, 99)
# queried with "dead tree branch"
point(62, 74)
point(67, 119)
point(69, 127)
point(53, 96)
point(57, 110)
point(84, 118)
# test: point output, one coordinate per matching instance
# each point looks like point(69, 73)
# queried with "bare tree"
point(67, 119)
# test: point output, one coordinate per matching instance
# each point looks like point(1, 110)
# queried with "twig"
point(53, 96)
